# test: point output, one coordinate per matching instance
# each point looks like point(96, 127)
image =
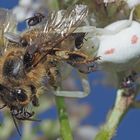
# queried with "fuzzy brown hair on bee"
point(13, 74)
point(36, 55)
point(44, 50)
point(18, 88)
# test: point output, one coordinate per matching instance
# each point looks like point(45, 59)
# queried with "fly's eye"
point(23, 42)
point(21, 95)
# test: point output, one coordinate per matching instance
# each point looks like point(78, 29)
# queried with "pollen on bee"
point(110, 51)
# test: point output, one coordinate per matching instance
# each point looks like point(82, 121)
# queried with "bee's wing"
point(7, 24)
point(64, 22)
point(7, 20)
point(59, 25)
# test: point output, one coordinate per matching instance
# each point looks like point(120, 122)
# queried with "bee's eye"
point(21, 95)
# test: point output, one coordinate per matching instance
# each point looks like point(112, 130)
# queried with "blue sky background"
point(102, 99)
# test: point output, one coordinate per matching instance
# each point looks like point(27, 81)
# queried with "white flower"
point(26, 8)
point(108, 1)
point(132, 3)
point(7, 21)
point(22, 13)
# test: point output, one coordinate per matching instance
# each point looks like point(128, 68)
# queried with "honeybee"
point(34, 58)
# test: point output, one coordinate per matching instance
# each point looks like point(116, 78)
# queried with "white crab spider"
point(120, 51)
point(118, 45)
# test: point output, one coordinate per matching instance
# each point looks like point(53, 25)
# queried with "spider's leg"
point(104, 31)
point(76, 94)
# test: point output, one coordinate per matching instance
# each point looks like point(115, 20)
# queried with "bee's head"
point(20, 95)
point(13, 96)
point(26, 95)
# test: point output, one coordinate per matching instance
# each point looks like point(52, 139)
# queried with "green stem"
point(122, 105)
point(65, 129)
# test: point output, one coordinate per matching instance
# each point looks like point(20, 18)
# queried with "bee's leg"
point(55, 76)
point(35, 100)
point(27, 116)
point(83, 64)
point(18, 114)
point(30, 119)
point(76, 94)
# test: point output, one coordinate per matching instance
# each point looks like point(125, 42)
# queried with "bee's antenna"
point(13, 117)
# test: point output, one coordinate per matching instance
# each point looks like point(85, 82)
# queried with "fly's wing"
point(58, 27)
